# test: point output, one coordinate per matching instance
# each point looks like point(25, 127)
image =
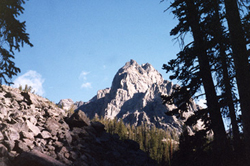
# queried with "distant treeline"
point(158, 143)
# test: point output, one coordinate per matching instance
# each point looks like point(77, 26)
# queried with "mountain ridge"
point(135, 97)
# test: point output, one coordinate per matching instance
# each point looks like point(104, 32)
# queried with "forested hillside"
point(158, 143)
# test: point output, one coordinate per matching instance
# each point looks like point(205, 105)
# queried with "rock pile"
point(34, 131)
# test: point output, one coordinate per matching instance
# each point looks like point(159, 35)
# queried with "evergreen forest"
point(159, 144)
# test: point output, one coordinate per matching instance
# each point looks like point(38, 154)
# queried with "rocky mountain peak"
point(135, 97)
point(135, 78)
point(65, 104)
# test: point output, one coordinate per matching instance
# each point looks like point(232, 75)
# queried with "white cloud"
point(202, 103)
point(86, 85)
point(83, 75)
point(31, 78)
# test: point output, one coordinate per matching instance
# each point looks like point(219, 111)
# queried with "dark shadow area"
point(35, 158)
point(131, 105)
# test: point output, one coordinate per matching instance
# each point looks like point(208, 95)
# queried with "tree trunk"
point(212, 101)
point(226, 79)
point(230, 104)
point(241, 66)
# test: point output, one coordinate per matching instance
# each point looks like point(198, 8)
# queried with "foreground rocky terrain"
point(135, 97)
point(34, 131)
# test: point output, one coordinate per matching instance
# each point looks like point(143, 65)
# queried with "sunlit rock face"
point(135, 96)
point(65, 104)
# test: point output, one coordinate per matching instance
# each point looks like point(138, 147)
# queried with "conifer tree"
point(225, 72)
point(12, 35)
point(196, 68)
point(152, 140)
point(240, 56)
point(210, 53)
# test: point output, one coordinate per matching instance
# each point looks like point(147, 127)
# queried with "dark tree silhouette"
point(189, 16)
point(240, 56)
point(217, 125)
point(225, 63)
point(12, 36)
point(213, 61)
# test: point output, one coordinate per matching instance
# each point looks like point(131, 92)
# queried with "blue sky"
point(79, 45)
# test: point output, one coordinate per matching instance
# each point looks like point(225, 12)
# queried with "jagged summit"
point(135, 97)
point(135, 78)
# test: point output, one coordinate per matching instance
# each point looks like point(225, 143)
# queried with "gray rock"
point(4, 156)
point(10, 144)
point(63, 155)
point(99, 127)
point(3, 151)
point(74, 155)
point(52, 126)
point(14, 94)
point(66, 104)
point(78, 119)
point(58, 144)
point(21, 146)
point(1, 136)
point(33, 120)
point(26, 97)
point(45, 134)
point(52, 113)
point(68, 137)
point(4, 161)
point(33, 128)
point(36, 158)
point(40, 142)
point(135, 97)
point(29, 143)
point(12, 134)
point(34, 131)
point(3, 112)
point(29, 135)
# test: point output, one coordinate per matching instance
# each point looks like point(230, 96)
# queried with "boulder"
point(3, 151)
point(78, 119)
point(36, 158)
point(45, 134)
point(34, 129)
point(28, 135)
point(98, 126)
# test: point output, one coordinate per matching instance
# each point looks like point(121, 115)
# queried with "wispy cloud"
point(31, 78)
point(86, 85)
point(83, 76)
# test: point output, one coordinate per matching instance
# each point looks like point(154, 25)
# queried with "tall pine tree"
point(12, 36)
point(207, 60)
point(189, 13)
point(240, 56)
